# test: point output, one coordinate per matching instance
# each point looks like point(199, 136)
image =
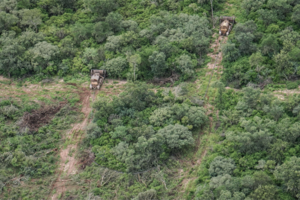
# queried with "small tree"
point(101, 31)
point(221, 166)
point(186, 65)
point(269, 45)
point(256, 59)
point(42, 53)
point(296, 14)
point(288, 173)
point(231, 53)
point(274, 110)
point(158, 63)
point(177, 136)
point(196, 116)
point(221, 89)
point(287, 131)
point(160, 116)
point(7, 20)
point(267, 16)
point(114, 21)
point(115, 66)
point(101, 7)
point(32, 17)
point(248, 143)
point(252, 5)
point(277, 150)
point(113, 43)
point(266, 192)
point(93, 131)
point(134, 61)
point(251, 96)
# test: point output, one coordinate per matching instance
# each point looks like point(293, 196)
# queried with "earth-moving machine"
point(226, 24)
point(97, 78)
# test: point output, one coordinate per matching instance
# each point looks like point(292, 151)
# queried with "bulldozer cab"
point(226, 24)
point(97, 78)
point(98, 72)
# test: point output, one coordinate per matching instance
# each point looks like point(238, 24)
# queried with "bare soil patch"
point(2, 78)
point(87, 158)
point(74, 84)
point(40, 117)
point(161, 81)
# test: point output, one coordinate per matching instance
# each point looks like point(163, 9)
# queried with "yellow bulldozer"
point(97, 78)
point(226, 24)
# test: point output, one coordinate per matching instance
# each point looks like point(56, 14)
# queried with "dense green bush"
point(292, 85)
point(140, 130)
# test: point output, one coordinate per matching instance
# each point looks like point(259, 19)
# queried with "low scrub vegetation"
point(30, 134)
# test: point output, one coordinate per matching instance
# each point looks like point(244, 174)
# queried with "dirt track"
point(68, 162)
point(214, 69)
point(215, 64)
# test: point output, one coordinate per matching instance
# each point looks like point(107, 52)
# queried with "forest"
point(264, 48)
point(227, 129)
point(50, 37)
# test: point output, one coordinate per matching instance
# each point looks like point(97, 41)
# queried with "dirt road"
point(68, 162)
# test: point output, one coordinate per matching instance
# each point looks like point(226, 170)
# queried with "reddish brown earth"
point(68, 163)
point(40, 117)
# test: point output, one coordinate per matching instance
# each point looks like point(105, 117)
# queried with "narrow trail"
point(214, 70)
point(68, 162)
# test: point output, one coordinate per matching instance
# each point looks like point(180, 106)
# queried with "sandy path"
point(68, 161)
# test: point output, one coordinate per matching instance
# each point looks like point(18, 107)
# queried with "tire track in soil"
point(68, 162)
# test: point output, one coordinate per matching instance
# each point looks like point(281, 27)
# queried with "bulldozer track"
point(213, 70)
point(68, 164)
point(199, 141)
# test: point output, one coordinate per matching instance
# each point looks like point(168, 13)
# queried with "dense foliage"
point(255, 153)
point(258, 157)
point(140, 129)
point(130, 39)
point(265, 47)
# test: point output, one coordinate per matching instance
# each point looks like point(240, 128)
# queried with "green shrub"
point(292, 85)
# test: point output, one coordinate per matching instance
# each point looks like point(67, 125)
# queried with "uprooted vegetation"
point(40, 117)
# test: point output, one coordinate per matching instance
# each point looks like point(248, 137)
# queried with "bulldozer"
point(97, 78)
point(226, 24)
